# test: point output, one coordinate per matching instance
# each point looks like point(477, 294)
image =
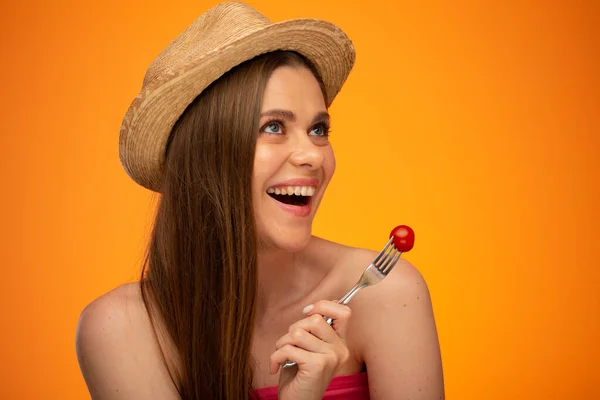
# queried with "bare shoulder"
point(394, 331)
point(117, 349)
point(404, 275)
point(404, 287)
point(405, 282)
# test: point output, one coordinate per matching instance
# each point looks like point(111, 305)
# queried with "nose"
point(306, 154)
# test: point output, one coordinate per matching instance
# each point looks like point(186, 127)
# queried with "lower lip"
point(298, 211)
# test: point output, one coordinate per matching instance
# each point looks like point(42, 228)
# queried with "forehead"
point(295, 89)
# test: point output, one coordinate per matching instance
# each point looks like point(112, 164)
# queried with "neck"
point(284, 280)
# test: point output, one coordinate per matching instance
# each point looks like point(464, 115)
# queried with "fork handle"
point(344, 300)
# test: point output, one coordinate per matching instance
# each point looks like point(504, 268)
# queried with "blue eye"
point(272, 127)
point(321, 130)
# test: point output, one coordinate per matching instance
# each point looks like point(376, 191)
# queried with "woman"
point(231, 127)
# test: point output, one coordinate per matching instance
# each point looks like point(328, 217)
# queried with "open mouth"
point(295, 196)
point(292, 200)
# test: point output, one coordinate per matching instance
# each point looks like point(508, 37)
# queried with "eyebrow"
point(290, 116)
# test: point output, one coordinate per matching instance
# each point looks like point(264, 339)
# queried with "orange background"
point(474, 122)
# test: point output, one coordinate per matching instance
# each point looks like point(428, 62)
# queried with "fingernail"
point(307, 309)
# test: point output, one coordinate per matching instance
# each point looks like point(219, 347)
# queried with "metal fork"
point(375, 272)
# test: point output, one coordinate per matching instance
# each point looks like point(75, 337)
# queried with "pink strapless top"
point(342, 387)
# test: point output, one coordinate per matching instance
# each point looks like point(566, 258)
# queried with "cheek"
point(266, 162)
point(265, 167)
point(329, 164)
point(260, 169)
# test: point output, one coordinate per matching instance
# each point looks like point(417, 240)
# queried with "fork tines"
point(387, 258)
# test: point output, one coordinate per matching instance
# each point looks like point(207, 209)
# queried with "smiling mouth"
point(291, 199)
point(295, 196)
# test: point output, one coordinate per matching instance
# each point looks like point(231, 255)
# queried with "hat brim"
point(152, 115)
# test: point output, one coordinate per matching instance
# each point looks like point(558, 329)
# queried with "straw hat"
point(221, 38)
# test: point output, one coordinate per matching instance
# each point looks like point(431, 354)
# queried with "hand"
point(319, 351)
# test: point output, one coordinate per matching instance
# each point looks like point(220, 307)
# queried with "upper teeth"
point(296, 190)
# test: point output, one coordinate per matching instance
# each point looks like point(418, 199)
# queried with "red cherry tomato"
point(404, 237)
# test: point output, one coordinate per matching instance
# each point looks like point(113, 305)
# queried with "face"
point(294, 160)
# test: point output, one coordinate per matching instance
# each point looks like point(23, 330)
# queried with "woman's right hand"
point(319, 351)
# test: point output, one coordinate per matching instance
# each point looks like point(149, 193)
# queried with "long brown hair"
point(199, 276)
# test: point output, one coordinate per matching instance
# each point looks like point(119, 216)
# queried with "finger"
point(316, 325)
point(340, 314)
point(305, 340)
point(288, 353)
point(332, 309)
